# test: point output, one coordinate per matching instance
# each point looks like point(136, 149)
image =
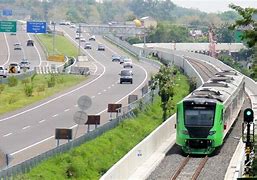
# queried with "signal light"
point(248, 115)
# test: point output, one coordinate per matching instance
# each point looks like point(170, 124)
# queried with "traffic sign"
point(36, 27)
point(7, 12)
point(8, 26)
point(84, 102)
point(80, 117)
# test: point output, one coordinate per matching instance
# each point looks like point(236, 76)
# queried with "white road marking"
point(7, 134)
point(26, 127)
point(40, 59)
point(104, 90)
point(42, 121)
point(30, 146)
point(75, 105)
point(109, 87)
point(93, 97)
point(55, 115)
point(99, 93)
point(66, 110)
point(8, 50)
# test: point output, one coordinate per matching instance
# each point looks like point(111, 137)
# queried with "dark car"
point(30, 42)
point(126, 76)
point(101, 47)
point(115, 57)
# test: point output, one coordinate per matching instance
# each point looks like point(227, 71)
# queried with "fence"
point(123, 113)
point(18, 76)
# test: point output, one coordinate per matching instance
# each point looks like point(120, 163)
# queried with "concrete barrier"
point(127, 166)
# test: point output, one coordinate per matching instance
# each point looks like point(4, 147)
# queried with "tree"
point(249, 26)
point(165, 81)
point(225, 35)
point(247, 22)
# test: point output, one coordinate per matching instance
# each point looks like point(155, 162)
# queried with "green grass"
point(13, 98)
point(92, 159)
point(63, 46)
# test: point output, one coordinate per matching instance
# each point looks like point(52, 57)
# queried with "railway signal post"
point(248, 138)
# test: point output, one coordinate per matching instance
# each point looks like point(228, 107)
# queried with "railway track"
point(207, 70)
point(188, 168)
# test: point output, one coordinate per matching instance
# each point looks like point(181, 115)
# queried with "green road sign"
point(8, 26)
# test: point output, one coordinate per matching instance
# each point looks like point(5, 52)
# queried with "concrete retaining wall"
point(124, 168)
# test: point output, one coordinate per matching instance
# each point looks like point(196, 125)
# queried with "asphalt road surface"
point(30, 130)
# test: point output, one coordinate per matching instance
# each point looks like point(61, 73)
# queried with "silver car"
point(3, 72)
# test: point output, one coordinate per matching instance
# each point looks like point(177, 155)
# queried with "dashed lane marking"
point(26, 127)
point(55, 115)
point(7, 134)
point(42, 121)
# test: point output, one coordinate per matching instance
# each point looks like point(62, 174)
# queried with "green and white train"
point(206, 115)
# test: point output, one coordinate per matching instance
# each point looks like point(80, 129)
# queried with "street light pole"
point(79, 39)
point(54, 38)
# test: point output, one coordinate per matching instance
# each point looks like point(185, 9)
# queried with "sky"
point(214, 5)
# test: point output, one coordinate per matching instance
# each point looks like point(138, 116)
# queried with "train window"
point(199, 117)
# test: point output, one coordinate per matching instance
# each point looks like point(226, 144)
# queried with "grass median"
point(63, 46)
point(92, 159)
point(15, 97)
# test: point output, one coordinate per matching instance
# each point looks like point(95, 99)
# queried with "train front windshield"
point(199, 116)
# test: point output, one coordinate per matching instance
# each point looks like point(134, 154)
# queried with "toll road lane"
point(57, 111)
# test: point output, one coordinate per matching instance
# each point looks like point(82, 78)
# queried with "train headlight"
point(185, 132)
point(212, 132)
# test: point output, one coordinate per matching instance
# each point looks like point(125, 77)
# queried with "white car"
point(92, 38)
point(3, 72)
point(82, 39)
point(17, 46)
point(127, 63)
point(78, 36)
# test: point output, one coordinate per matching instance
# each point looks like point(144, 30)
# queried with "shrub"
point(33, 77)
point(2, 86)
point(25, 81)
point(51, 81)
point(60, 80)
point(12, 81)
point(28, 89)
point(12, 99)
point(41, 88)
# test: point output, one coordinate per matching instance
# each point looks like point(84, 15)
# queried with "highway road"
point(22, 131)
point(4, 52)
point(34, 54)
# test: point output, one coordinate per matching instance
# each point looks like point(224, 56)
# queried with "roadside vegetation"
point(63, 46)
point(20, 93)
point(92, 159)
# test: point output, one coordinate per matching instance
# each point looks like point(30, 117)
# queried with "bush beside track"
point(92, 159)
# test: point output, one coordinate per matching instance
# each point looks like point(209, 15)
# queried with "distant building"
point(148, 22)
point(196, 33)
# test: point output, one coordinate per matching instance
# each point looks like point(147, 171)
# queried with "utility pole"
point(79, 40)
point(54, 23)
